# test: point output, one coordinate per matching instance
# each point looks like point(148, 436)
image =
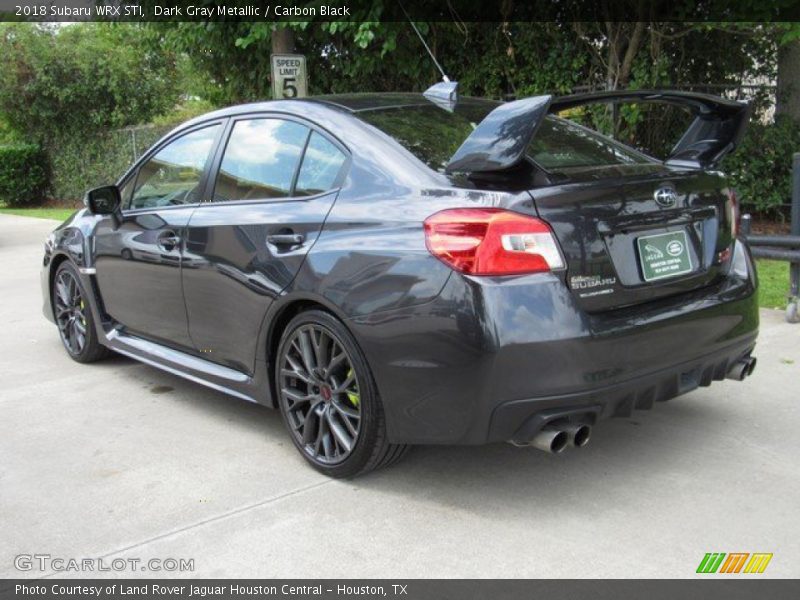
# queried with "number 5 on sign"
point(289, 78)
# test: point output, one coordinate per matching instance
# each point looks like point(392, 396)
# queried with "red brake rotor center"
point(326, 392)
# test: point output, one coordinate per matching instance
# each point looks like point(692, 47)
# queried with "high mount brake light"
point(492, 241)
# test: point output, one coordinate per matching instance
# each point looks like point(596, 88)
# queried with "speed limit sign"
point(289, 79)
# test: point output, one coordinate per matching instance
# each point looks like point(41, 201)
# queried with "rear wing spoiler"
point(500, 141)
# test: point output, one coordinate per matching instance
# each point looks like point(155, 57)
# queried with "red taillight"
point(492, 241)
point(732, 209)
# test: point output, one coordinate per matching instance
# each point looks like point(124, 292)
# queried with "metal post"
point(795, 219)
point(794, 267)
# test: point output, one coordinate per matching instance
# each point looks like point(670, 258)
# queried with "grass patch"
point(59, 214)
point(773, 283)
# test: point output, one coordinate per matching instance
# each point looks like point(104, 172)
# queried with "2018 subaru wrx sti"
point(398, 269)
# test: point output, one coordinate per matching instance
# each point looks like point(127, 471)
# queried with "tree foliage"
point(761, 167)
point(79, 79)
point(65, 87)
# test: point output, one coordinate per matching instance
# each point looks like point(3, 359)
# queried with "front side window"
point(172, 176)
point(260, 160)
point(322, 163)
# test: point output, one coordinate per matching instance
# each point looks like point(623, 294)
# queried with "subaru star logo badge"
point(666, 196)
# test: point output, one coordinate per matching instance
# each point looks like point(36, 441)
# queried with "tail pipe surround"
point(742, 369)
point(554, 439)
point(579, 434)
point(550, 440)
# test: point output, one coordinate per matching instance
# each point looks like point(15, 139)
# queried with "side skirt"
point(207, 373)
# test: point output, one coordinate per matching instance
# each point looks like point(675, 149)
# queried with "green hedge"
point(23, 174)
point(78, 165)
point(761, 168)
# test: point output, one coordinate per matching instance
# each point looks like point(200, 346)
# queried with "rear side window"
point(260, 160)
point(560, 144)
point(321, 166)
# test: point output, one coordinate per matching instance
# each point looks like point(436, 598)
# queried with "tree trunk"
point(282, 40)
point(788, 94)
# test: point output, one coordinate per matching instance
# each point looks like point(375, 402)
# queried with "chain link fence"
point(78, 165)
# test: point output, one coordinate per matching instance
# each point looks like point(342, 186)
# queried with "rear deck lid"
point(657, 232)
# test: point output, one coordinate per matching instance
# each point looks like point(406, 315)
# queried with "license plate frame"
point(664, 255)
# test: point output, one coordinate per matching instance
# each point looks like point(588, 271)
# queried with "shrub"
point(79, 164)
point(761, 168)
point(23, 174)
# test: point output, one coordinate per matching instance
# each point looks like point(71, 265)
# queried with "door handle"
point(286, 239)
point(168, 240)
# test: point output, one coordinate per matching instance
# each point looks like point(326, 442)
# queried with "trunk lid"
point(656, 232)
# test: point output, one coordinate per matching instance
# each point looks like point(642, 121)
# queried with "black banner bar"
point(406, 589)
point(392, 10)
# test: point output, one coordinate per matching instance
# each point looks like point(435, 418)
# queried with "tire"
point(76, 326)
point(319, 393)
point(792, 315)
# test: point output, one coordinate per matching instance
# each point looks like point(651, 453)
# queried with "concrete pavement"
point(120, 460)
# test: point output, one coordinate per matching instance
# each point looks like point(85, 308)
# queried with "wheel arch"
point(55, 263)
point(279, 318)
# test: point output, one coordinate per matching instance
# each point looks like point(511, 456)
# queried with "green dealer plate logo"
point(664, 255)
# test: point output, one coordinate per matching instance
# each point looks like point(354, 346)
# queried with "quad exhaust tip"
point(579, 434)
point(555, 439)
point(742, 369)
point(550, 440)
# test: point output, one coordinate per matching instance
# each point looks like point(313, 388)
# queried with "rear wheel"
point(74, 318)
point(329, 400)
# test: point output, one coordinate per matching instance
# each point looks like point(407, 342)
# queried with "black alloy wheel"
point(328, 398)
point(74, 318)
point(70, 312)
point(319, 390)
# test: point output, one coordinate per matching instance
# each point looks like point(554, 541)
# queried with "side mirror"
point(105, 200)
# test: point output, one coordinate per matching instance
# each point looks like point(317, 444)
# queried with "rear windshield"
point(433, 135)
point(560, 145)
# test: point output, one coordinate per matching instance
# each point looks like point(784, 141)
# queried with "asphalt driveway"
point(120, 460)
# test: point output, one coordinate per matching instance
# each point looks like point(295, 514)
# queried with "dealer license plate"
point(664, 255)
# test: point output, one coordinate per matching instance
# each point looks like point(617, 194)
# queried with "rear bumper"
point(520, 420)
point(489, 357)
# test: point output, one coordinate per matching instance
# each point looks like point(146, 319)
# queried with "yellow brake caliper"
point(352, 396)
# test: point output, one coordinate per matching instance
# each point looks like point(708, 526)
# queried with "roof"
point(344, 103)
point(356, 103)
point(371, 101)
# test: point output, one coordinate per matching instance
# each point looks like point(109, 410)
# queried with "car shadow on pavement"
point(622, 452)
point(646, 451)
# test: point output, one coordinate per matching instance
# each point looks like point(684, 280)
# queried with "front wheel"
point(74, 318)
point(329, 400)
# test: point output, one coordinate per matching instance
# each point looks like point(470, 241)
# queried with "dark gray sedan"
point(399, 269)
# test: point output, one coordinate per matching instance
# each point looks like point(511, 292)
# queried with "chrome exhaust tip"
point(550, 440)
point(742, 369)
point(579, 434)
point(752, 365)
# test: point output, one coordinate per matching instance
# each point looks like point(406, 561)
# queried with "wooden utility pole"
point(788, 95)
point(282, 40)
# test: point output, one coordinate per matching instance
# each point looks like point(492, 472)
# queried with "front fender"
point(72, 240)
